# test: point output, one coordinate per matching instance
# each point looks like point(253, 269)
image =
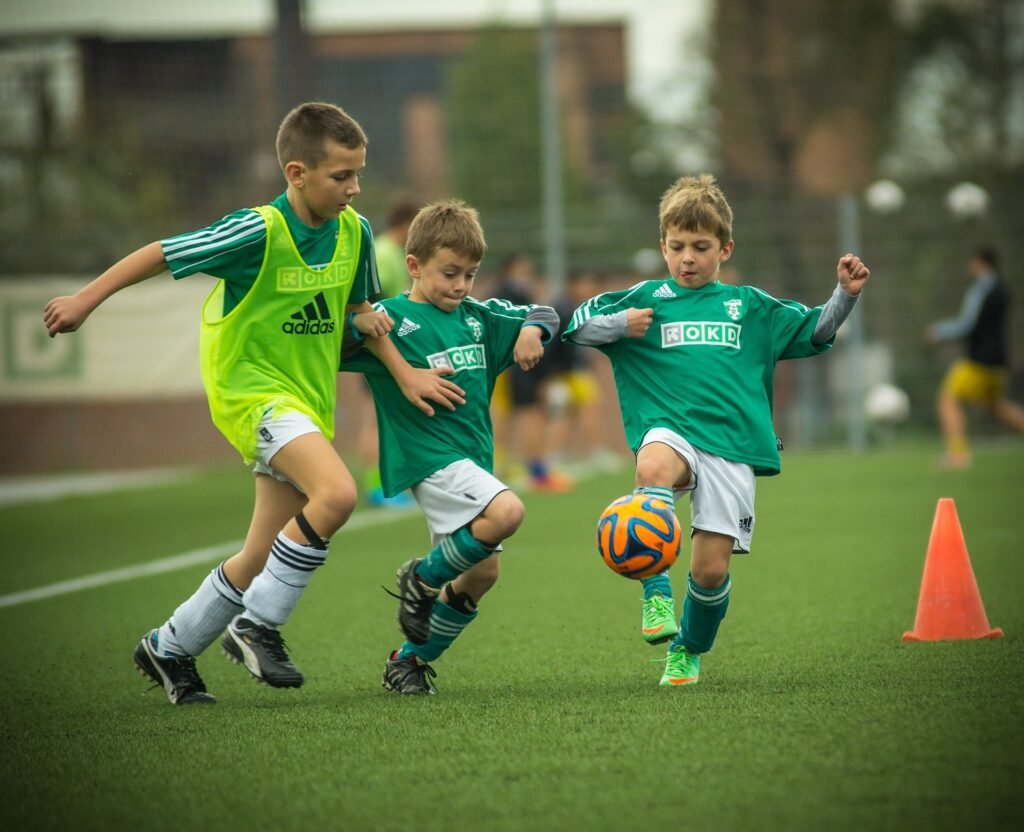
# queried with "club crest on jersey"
point(478, 330)
point(733, 308)
point(701, 333)
point(469, 357)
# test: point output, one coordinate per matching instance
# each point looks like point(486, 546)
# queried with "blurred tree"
point(805, 93)
point(494, 111)
point(493, 107)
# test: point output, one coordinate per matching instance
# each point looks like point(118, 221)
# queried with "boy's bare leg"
point(297, 550)
point(1009, 413)
point(276, 503)
point(953, 424)
point(167, 655)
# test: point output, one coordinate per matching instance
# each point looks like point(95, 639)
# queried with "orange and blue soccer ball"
point(639, 536)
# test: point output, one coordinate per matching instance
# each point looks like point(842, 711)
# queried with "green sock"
point(446, 625)
point(455, 554)
point(703, 611)
point(659, 583)
point(656, 491)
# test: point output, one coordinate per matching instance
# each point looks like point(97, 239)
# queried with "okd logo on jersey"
point(470, 357)
point(313, 319)
point(701, 333)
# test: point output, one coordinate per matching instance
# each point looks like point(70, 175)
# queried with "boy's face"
point(326, 190)
point(693, 257)
point(443, 280)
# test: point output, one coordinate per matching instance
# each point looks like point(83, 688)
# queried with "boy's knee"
point(661, 470)
point(338, 501)
point(709, 576)
point(509, 513)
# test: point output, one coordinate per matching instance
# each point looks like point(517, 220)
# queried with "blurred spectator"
point(389, 246)
point(518, 412)
point(980, 376)
point(574, 397)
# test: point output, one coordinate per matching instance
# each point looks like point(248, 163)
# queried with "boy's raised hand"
point(529, 349)
point(852, 274)
point(638, 321)
point(424, 385)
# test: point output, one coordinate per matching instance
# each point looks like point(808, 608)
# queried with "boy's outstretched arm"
point(419, 385)
point(852, 275)
point(606, 329)
point(68, 312)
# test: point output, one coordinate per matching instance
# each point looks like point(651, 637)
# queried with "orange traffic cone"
point(949, 606)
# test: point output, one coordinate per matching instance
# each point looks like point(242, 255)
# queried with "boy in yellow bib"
point(295, 275)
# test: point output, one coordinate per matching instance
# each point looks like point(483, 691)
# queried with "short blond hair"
point(696, 203)
point(449, 223)
point(305, 131)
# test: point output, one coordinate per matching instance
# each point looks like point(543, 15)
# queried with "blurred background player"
point(980, 376)
point(694, 360)
point(269, 347)
point(576, 434)
point(448, 461)
point(519, 409)
point(389, 247)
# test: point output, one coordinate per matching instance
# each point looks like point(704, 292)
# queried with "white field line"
point(196, 556)
point(17, 490)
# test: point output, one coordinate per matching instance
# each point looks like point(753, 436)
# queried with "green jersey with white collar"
point(705, 368)
point(476, 340)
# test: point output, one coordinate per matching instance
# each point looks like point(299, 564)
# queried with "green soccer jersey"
point(705, 368)
point(476, 340)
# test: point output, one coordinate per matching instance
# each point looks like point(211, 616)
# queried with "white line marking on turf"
point(16, 490)
point(156, 567)
point(91, 483)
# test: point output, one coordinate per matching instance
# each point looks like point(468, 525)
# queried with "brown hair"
point(449, 223)
point(303, 134)
point(696, 203)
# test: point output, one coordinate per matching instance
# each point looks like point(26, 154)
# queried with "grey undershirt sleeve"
point(546, 318)
point(601, 329)
point(833, 313)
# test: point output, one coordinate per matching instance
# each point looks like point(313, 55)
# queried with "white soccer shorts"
point(721, 492)
point(454, 496)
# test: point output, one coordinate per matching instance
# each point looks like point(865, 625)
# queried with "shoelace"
point(424, 670)
point(678, 655)
point(659, 603)
point(273, 642)
point(184, 676)
point(188, 676)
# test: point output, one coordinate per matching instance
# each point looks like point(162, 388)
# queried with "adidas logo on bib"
point(406, 327)
point(664, 291)
point(313, 319)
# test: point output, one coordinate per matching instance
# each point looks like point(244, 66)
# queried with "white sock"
point(196, 623)
point(273, 594)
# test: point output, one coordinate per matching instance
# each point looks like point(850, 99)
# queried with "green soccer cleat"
point(681, 668)
point(659, 622)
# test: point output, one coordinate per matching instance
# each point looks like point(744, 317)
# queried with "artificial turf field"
point(811, 712)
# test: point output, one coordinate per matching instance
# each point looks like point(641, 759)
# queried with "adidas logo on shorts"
point(664, 291)
point(406, 327)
